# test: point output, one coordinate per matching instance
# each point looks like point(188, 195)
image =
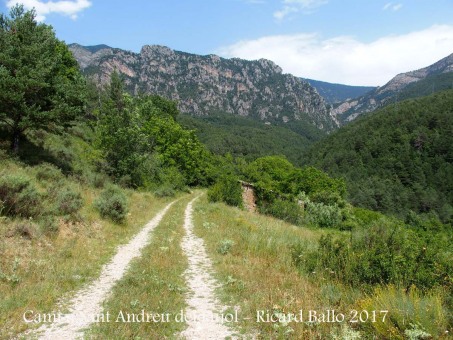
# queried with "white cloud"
point(295, 6)
point(346, 60)
point(43, 8)
point(393, 7)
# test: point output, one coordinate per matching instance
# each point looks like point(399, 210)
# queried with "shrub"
point(49, 225)
point(332, 258)
point(225, 247)
point(25, 229)
point(328, 198)
point(228, 190)
point(48, 172)
point(173, 178)
point(18, 197)
point(68, 201)
point(322, 209)
point(165, 191)
point(323, 216)
point(94, 179)
point(112, 204)
point(288, 211)
point(60, 152)
point(411, 315)
point(384, 253)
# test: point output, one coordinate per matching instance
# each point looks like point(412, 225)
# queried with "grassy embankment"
point(62, 242)
point(251, 254)
point(254, 262)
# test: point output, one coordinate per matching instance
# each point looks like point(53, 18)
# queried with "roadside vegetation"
point(276, 268)
point(366, 259)
point(71, 189)
point(83, 167)
point(56, 251)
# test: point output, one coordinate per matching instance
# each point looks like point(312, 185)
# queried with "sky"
point(353, 42)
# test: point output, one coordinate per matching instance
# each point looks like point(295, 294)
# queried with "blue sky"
point(362, 42)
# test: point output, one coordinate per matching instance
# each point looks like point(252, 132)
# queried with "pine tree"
point(40, 83)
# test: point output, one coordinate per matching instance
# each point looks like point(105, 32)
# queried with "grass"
point(256, 271)
point(154, 284)
point(253, 260)
point(38, 267)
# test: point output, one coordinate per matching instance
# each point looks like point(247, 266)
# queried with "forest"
point(397, 160)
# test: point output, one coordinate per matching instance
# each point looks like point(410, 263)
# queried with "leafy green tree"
point(118, 133)
point(311, 180)
point(177, 146)
point(227, 189)
point(40, 83)
point(270, 172)
point(142, 142)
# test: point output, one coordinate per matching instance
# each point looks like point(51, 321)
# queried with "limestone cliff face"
point(381, 96)
point(203, 85)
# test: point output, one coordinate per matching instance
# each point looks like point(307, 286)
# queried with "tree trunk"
point(15, 142)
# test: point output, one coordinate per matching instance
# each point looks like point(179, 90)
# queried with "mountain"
point(428, 80)
point(337, 93)
point(205, 85)
point(397, 159)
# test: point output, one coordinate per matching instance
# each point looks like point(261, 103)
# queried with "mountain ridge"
point(336, 93)
point(210, 84)
point(394, 89)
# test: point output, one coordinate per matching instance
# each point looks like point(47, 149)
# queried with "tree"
point(133, 130)
point(176, 146)
point(40, 83)
point(118, 133)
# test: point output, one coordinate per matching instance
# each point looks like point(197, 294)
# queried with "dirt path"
point(204, 310)
point(87, 303)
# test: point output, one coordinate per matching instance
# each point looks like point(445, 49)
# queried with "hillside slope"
point(434, 78)
point(398, 159)
point(337, 93)
point(204, 85)
point(248, 138)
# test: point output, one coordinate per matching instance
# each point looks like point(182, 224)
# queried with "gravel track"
point(204, 310)
point(87, 303)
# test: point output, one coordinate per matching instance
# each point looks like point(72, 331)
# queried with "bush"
point(49, 225)
point(112, 204)
point(225, 247)
point(324, 211)
point(95, 179)
point(328, 198)
point(228, 190)
point(18, 197)
point(68, 201)
point(165, 191)
point(173, 178)
point(411, 315)
point(48, 172)
point(288, 211)
point(384, 253)
point(25, 229)
point(323, 216)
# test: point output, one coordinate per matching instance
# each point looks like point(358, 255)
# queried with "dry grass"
point(38, 271)
point(154, 283)
point(257, 272)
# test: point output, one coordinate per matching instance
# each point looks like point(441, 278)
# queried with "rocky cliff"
point(397, 89)
point(203, 85)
